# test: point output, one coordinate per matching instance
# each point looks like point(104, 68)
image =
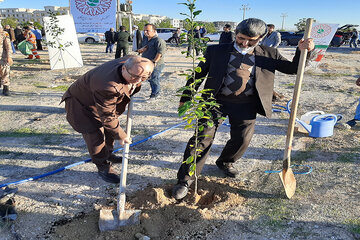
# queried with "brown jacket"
point(5, 48)
point(98, 98)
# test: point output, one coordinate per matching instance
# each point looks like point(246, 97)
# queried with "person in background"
point(153, 48)
point(123, 39)
point(241, 77)
point(5, 61)
point(110, 40)
point(31, 38)
point(38, 36)
point(356, 120)
point(137, 38)
point(203, 31)
point(272, 39)
point(11, 33)
point(195, 33)
point(227, 36)
point(94, 102)
point(19, 35)
point(354, 38)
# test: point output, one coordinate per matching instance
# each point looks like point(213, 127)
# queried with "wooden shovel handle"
point(295, 100)
point(122, 190)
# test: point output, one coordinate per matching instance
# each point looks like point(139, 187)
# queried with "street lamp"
point(244, 8)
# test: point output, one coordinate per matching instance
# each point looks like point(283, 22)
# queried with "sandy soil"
point(35, 138)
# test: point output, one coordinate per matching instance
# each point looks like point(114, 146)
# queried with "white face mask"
point(244, 51)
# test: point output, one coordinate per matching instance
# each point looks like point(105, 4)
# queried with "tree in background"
point(36, 24)
point(164, 23)
point(209, 26)
point(301, 24)
point(140, 24)
point(13, 22)
point(125, 23)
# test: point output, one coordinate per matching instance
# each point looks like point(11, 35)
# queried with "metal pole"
point(130, 23)
point(283, 15)
point(244, 8)
point(118, 16)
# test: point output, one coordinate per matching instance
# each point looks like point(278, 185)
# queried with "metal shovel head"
point(288, 180)
point(110, 219)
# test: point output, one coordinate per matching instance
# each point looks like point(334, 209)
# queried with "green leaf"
point(210, 123)
point(188, 127)
point(184, 108)
point(189, 160)
point(198, 69)
point(192, 169)
point(201, 128)
point(197, 13)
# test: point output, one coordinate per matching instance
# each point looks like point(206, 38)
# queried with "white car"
point(167, 33)
point(91, 37)
point(212, 37)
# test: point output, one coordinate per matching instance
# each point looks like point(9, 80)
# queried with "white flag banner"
point(93, 15)
point(65, 50)
point(322, 33)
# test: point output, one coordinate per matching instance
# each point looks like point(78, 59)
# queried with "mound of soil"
point(162, 217)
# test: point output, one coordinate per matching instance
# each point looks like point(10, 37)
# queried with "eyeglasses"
point(250, 41)
point(133, 76)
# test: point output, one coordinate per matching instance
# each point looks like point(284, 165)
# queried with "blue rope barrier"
point(305, 172)
point(85, 161)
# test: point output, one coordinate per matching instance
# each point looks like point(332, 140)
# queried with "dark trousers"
point(100, 145)
point(242, 119)
point(123, 49)
point(38, 44)
point(189, 49)
point(109, 47)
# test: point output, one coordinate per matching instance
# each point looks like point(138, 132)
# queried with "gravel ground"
point(35, 138)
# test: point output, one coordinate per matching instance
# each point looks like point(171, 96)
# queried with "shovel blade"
point(289, 182)
point(110, 219)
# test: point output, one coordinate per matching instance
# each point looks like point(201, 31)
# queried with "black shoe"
point(108, 174)
point(6, 91)
point(181, 189)
point(115, 159)
point(227, 169)
point(352, 122)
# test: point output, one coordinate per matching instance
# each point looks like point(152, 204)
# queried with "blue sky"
point(325, 11)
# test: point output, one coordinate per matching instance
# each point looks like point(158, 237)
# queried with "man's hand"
point(141, 50)
point(306, 44)
point(125, 141)
point(358, 82)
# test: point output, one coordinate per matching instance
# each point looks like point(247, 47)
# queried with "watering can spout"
point(305, 125)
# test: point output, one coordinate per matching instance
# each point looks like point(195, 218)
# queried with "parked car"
point(167, 33)
point(212, 37)
point(290, 38)
point(342, 35)
point(91, 37)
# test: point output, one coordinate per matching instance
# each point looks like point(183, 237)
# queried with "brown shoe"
point(277, 96)
point(107, 173)
point(115, 159)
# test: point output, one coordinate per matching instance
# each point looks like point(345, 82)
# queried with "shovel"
point(113, 219)
point(286, 175)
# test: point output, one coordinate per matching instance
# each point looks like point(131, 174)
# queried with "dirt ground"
point(35, 138)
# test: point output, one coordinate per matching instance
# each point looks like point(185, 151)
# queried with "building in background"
point(219, 25)
point(31, 15)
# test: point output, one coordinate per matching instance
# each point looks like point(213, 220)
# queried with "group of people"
point(150, 46)
point(240, 75)
point(9, 39)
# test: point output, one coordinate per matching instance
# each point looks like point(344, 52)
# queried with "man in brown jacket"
point(95, 101)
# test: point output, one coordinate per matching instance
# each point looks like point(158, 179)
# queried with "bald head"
point(137, 69)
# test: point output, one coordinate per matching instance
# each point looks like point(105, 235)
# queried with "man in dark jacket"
point(95, 101)
point(110, 40)
point(227, 36)
point(241, 77)
point(123, 39)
